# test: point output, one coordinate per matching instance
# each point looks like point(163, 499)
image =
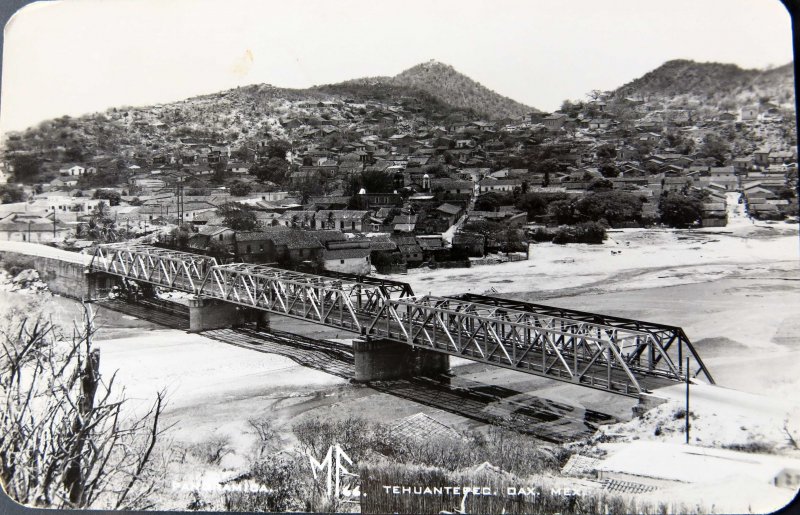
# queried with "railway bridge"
point(401, 333)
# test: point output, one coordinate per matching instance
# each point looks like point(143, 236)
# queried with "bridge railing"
point(163, 267)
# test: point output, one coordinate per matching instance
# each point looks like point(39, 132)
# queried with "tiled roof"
point(405, 219)
point(346, 254)
point(257, 235)
point(340, 214)
point(296, 239)
point(450, 209)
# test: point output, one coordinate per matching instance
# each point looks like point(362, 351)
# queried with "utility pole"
point(54, 223)
point(687, 400)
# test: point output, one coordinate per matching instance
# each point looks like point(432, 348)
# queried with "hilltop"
point(449, 86)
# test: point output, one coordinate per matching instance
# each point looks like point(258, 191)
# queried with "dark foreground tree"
point(66, 439)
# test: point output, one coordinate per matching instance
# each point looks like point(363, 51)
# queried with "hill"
point(712, 84)
point(444, 83)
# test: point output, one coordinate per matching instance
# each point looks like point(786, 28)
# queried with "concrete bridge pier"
point(257, 317)
point(380, 359)
point(206, 314)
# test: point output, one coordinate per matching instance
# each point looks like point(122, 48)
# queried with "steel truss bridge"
point(618, 355)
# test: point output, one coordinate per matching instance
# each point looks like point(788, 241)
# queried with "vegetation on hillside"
point(447, 85)
point(723, 85)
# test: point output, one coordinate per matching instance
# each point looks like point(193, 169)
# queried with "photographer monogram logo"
point(340, 482)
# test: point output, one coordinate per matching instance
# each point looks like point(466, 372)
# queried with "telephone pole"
point(687, 400)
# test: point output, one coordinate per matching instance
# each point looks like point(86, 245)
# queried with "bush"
point(240, 189)
point(541, 234)
point(281, 478)
point(587, 232)
point(212, 449)
point(15, 263)
point(754, 447)
point(614, 206)
point(112, 196)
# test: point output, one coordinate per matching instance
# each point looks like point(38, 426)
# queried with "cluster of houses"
point(432, 174)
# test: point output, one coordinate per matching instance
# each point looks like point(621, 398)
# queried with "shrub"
point(240, 189)
point(754, 447)
point(587, 232)
point(15, 263)
point(212, 449)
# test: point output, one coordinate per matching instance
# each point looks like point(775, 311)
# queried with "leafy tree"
point(613, 206)
point(243, 153)
point(27, 168)
point(112, 196)
point(220, 174)
point(278, 148)
point(333, 140)
point(606, 151)
point(309, 188)
point(100, 227)
point(274, 170)
point(238, 217)
point(571, 109)
point(240, 189)
point(535, 203)
point(586, 232)
point(562, 211)
point(11, 194)
point(375, 181)
point(679, 210)
point(600, 184)
point(74, 153)
point(681, 144)
point(490, 201)
point(715, 147)
point(609, 170)
point(548, 167)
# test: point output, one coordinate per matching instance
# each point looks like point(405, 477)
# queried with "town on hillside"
point(339, 181)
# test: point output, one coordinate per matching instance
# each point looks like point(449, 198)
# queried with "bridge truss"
point(617, 355)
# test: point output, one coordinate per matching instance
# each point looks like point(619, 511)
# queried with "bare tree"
point(790, 436)
point(65, 439)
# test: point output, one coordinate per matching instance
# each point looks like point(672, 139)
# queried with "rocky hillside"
point(449, 86)
point(713, 84)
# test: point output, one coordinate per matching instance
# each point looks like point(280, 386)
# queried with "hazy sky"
point(78, 56)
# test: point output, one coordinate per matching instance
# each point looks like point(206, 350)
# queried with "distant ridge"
point(713, 83)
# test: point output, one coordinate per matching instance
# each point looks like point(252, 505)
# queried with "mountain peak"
point(449, 85)
point(433, 64)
